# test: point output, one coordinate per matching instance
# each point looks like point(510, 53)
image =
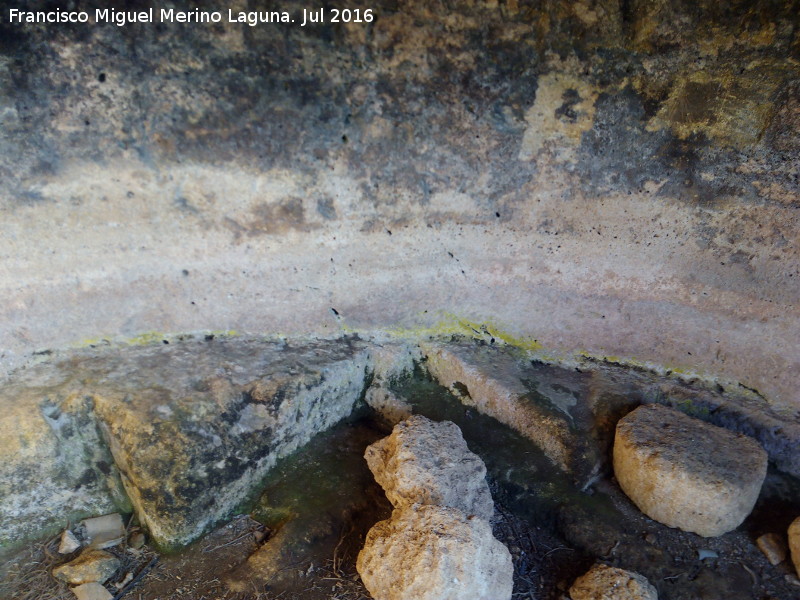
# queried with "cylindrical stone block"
point(686, 473)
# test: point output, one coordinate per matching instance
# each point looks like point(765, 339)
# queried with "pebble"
point(602, 582)
point(773, 547)
point(136, 540)
point(104, 532)
point(69, 543)
point(90, 566)
point(91, 591)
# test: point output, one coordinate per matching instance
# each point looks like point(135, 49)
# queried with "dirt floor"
point(301, 538)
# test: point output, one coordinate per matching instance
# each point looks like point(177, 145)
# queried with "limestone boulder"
point(602, 582)
point(435, 553)
point(91, 566)
point(686, 473)
point(425, 462)
point(794, 543)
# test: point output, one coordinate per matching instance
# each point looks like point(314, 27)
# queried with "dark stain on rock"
point(286, 215)
point(326, 208)
point(566, 112)
point(619, 153)
point(88, 477)
point(285, 102)
point(783, 132)
point(696, 103)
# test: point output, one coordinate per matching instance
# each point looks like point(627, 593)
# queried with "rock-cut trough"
point(274, 457)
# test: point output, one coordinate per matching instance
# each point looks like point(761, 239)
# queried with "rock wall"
point(617, 179)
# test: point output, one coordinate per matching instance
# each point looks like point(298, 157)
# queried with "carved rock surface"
point(194, 429)
point(547, 406)
point(602, 582)
point(686, 473)
point(434, 553)
point(179, 430)
point(424, 462)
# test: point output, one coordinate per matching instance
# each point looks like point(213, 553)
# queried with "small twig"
point(336, 550)
point(557, 549)
point(611, 550)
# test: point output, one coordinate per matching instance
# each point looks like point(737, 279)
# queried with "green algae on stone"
point(318, 498)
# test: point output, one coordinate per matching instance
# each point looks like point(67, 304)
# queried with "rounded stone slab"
point(686, 473)
point(425, 462)
point(602, 582)
point(435, 553)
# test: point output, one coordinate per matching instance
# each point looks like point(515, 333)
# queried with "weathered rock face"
point(609, 178)
point(434, 553)
point(188, 428)
point(192, 450)
point(794, 543)
point(609, 583)
point(54, 466)
point(90, 567)
point(686, 473)
point(424, 462)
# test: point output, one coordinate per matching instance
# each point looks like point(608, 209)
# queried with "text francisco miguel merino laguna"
point(164, 15)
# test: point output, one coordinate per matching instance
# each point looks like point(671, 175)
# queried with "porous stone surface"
point(602, 582)
point(794, 543)
point(424, 462)
point(548, 406)
point(609, 178)
point(686, 473)
point(178, 432)
point(89, 567)
point(434, 553)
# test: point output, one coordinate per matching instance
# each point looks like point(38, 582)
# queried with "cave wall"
point(608, 178)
